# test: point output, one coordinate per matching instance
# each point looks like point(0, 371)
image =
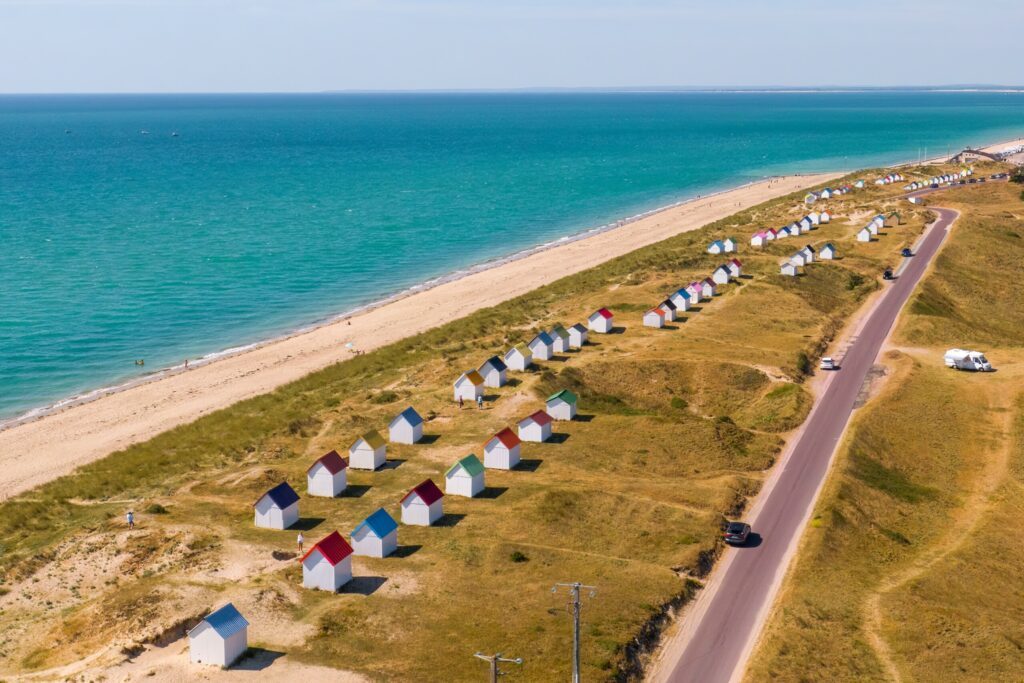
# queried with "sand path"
point(35, 452)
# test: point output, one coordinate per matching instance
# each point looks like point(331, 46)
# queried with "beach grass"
point(916, 523)
point(677, 430)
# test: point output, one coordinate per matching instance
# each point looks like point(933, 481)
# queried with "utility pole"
point(494, 660)
point(576, 606)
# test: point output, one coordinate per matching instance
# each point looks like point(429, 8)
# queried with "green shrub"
point(156, 509)
point(517, 556)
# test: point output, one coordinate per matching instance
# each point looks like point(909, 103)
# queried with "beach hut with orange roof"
point(469, 386)
point(327, 476)
point(422, 506)
point(327, 566)
point(654, 318)
point(501, 452)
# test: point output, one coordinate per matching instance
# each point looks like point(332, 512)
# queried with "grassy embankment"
point(680, 427)
point(912, 568)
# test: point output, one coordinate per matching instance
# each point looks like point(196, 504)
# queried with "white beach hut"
point(716, 247)
point(735, 267)
point(827, 252)
point(577, 336)
point(469, 386)
point(406, 427)
point(758, 239)
point(561, 405)
point(559, 338)
point(798, 259)
point(376, 536)
point(368, 452)
point(654, 318)
point(808, 252)
point(730, 244)
point(805, 225)
point(327, 476)
point(782, 233)
point(422, 506)
point(826, 193)
point(788, 268)
point(501, 452)
point(493, 370)
point(601, 321)
point(770, 235)
point(708, 288)
point(518, 358)
point(669, 309)
point(694, 289)
point(220, 638)
point(465, 477)
point(864, 235)
point(721, 275)
point(826, 217)
point(278, 508)
point(541, 346)
point(536, 427)
point(681, 299)
point(872, 227)
point(815, 217)
point(327, 566)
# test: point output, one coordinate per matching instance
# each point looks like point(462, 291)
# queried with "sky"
point(59, 46)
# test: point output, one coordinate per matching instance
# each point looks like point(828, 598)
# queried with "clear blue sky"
point(313, 45)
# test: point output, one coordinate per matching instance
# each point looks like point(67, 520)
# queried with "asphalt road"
point(719, 642)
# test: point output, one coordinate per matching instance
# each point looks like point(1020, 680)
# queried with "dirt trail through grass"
point(965, 521)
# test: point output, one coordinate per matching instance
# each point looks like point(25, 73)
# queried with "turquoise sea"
point(166, 227)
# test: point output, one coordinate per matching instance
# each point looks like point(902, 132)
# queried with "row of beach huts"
point(685, 297)
point(943, 179)
point(798, 227)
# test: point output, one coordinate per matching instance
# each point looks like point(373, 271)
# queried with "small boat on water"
point(143, 132)
point(174, 134)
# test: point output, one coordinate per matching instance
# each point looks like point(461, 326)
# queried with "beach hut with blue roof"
point(406, 427)
point(493, 370)
point(681, 299)
point(376, 536)
point(716, 247)
point(220, 638)
point(541, 346)
point(278, 508)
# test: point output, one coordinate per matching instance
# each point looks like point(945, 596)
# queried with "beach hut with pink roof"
point(758, 239)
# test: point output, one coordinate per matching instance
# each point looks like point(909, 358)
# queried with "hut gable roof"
point(373, 439)
point(540, 417)
point(604, 313)
point(559, 331)
point(493, 363)
point(507, 437)
point(332, 462)
point(427, 491)
point(736, 262)
point(579, 327)
point(470, 463)
point(409, 415)
point(474, 377)
point(226, 621)
point(543, 337)
point(333, 547)
point(564, 394)
point(380, 523)
point(281, 495)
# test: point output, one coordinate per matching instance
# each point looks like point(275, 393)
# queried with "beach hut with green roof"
point(368, 452)
point(562, 405)
point(559, 338)
point(518, 358)
point(465, 477)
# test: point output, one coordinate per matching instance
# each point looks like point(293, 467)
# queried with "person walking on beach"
point(480, 402)
point(130, 518)
point(461, 403)
point(299, 539)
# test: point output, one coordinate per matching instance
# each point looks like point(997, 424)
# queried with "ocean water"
point(233, 219)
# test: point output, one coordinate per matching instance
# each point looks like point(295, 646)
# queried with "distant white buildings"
point(864, 235)
point(559, 339)
point(681, 299)
point(654, 318)
point(788, 268)
point(518, 358)
point(220, 638)
point(735, 267)
point(541, 346)
point(716, 247)
point(278, 508)
point(721, 276)
point(577, 336)
point(827, 252)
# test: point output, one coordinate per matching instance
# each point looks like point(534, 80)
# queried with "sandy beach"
point(35, 452)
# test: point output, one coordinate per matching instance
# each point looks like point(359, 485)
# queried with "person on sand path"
point(299, 539)
point(130, 518)
point(461, 403)
point(480, 402)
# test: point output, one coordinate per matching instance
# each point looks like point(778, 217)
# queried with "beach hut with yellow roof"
point(368, 452)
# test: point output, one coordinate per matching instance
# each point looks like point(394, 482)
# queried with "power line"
point(576, 606)
point(494, 660)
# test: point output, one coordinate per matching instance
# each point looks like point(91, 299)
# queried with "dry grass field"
point(678, 428)
point(913, 566)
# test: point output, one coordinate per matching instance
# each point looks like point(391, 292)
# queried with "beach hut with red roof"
point(654, 318)
point(601, 321)
point(328, 564)
point(770, 234)
point(422, 506)
point(501, 452)
point(469, 386)
point(278, 508)
point(536, 427)
point(825, 217)
point(327, 476)
point(735, 267)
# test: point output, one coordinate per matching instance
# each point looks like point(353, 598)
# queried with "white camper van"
point(967, 360)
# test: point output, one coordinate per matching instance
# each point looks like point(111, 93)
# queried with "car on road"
point(972, 180)
point(828, 364)
point(906, 253)
point(981, 180)
point(887, 274)
point(736, 533)
point(934, 186)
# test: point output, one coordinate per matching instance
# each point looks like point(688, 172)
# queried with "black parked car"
point(736, 533)
point(906, 252)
